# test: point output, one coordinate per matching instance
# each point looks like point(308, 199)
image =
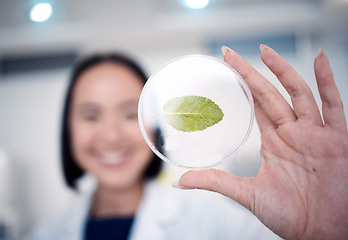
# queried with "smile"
point(112, 158)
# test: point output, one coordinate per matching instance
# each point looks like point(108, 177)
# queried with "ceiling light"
point(41, 12)
point(196, 4)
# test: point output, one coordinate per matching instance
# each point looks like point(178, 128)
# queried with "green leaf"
point(191, 113)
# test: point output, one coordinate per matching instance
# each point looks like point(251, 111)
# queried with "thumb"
point(237, 188)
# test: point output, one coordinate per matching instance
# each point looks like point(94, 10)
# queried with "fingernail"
point(176, 184)
point(225, 49)
point(322, 52)
point(264, 47)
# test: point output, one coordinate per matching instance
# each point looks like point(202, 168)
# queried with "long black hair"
point(71, 170)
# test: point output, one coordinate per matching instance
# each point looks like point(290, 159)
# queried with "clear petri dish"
point(198, 76)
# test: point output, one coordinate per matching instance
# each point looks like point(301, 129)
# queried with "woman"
point(101, 136)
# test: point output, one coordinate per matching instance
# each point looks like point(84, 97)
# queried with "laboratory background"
point(40, 43)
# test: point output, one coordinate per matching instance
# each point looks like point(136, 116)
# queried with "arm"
point(301, 189)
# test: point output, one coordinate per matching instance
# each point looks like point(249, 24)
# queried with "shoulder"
point(208, 215)
point(67, 225)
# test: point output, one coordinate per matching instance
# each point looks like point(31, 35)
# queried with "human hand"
point(301, 188)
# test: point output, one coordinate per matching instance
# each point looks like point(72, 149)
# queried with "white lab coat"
point(167, 213)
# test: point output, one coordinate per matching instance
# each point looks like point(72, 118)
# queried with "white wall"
point(30, 112)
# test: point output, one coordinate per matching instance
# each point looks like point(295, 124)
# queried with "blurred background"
point(36, 58)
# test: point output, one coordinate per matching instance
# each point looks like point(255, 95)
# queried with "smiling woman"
point(106, 139)
point(101, 107)
point(101, 137)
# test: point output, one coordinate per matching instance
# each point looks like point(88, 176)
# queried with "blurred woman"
point(101, 137)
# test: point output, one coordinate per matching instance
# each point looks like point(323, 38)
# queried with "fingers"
point(331, 101)
point(301, 95)
point(238, 188)
point(271, 102)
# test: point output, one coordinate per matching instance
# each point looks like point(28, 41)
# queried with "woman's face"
point(106, 138)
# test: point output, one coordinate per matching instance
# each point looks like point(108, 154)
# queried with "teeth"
point(112, 158)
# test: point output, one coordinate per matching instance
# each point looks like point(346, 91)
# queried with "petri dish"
point(198, 76)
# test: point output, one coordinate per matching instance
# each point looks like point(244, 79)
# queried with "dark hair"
point(71, 170)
